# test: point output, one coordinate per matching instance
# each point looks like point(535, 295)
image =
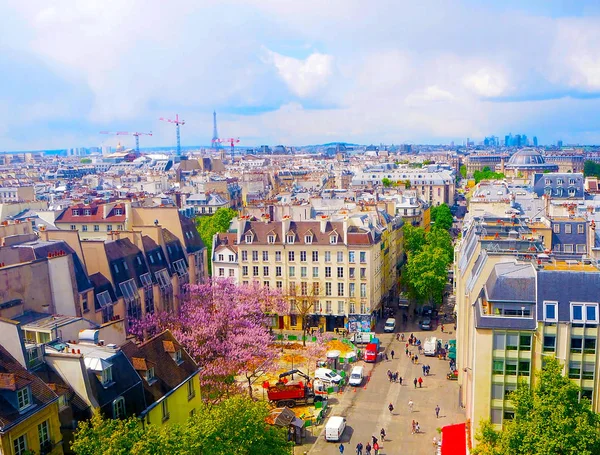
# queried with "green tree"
point(386, 182)
point(426, 272)
point(414, 238)
point(85, 160)
point(550, 419)
point(442, 217)
point(463, 171)
point(591, 169)
point(487, 174)
point(208, 226)
point(441, 238)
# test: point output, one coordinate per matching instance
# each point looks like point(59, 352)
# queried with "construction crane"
point(177, 123)
point(232, 141)
point(127, 133)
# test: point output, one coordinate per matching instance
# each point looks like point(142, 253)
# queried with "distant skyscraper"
point(535, 141)
point(559, 144)
point(507, 140)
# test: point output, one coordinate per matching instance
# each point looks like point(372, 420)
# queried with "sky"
point(298, 72)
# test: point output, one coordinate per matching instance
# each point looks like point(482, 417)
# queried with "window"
point(62, 402)
point(315, 256)
point(333, 239)
point(340, 272)
point(165, 409)
point(231, 258)
point(340, 309)
point(363, 273)
point(291, 238)
point(350, 256)
point(498, 367)
point(587, 371)
point(279, 284)
point(363, 290)
point(589, 345)
point(291, 256)
point(496, 416)
point(340, 256)
point(524, 366)
point(221, 271)
point(574, 369)
point(352, 309)
point(73, 227)
point(109, 227)
point(351, 272)
point(278, 270)
point(327, 272)
point(304, 288)
point(248, 239)
point(315, 272)
point(351, 290)
point(118, 212)
point(580, 248)
point(317, 306)
point(327, 288)
point(96, 228)
point(512, 340)
point(525, 342)
point(190, 389)
point(150, 375)
point(580, 229)
point(119, 408)
point(327, 256)
point(363, 257)
point(567, 228)
point(509, 415)
point(550, 311)
point(270, 239)
point(497, 391)
point(308, 239)
point(302, 256)
point(106, 376)
point(84, 228)
point(303, 272)
point(20, 445)
point(584, 313)
point(266, 284)
point(292, 288)
point(255, 270)
point(499, 340)
point(576, 345)
point(340, 289)
point(177, 357)
point(328, 306)
point(119, 227)
point(244, 270)
point(363, 308)
point(75, 212)
point(265, 271)
point(511, 367)
point(292, 271)
point(265, 256)
point(244, 255)
point(549, 343)
point(568, 247)
point(556, 228)
point(255, 256)
point(23, 398)
point(587, 394)
point(316, 289)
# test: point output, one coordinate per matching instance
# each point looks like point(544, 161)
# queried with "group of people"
point(425, 370)
point(394, 377)
point(415, 427)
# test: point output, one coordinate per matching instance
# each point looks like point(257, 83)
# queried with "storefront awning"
point(454, 439)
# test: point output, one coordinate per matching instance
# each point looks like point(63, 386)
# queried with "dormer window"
point(559, 181)
point(75, 212)
point(150, 378)
point(308, 239)
point(271, 238)
point(118, 211)
point(177, 357)
point(571, 181)
point(249, 238)
point(548, 182)
point(87, 212)
point(290, 238)
point(24, 398)
point(333, 239)
point(106, 377)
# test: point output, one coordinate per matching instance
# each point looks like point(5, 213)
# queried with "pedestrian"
point(386, 357)
point(400, 379)
point(410, 405)
point(341, 448)
point(417, 428)
point(416, 359)
point(420, 382)
point(402, 336)
point(437, 411)
point(376, 448)
point(428, 368)
point(359, 448)
point(392, 353)
point(423, 368)
point(382, 433)
point(442, 328)
point(413, 426)
point(374, 440)
point(406, 352)
point(415, 382)
point(391, 407)
point(368, 449)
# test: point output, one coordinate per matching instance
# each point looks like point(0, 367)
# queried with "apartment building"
point(342, 270)
point(515, 305)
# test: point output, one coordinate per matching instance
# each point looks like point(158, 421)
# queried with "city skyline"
point(289, 73)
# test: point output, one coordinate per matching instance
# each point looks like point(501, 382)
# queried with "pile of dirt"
point(338, 346)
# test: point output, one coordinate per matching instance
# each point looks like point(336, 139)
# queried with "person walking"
point(382, 433)
point(392, 354)
point(341, 447)
point(442, 328)
point(374, 439)
point(417, 428)
point(376, 448)
point(359, 448)
point(410, 405)
point(420, 382)
point(391, 408)
point(399, 379)
point(406, 352)
point(413, 426)
point(437, 411)
point(368, 449)
point(415, 382)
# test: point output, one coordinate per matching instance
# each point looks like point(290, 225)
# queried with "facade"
point(476, 162)
point(525, 163)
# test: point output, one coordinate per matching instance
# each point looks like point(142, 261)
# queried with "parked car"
point(425, 324)
point(327, 375)
point(390, 325)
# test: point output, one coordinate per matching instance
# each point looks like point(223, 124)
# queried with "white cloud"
point(486, 82)
point(303, 77)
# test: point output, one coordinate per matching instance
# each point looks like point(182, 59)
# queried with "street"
point(366, 407)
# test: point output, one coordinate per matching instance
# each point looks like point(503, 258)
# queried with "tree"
point(386, 182)
point(442, 217)
point(441, 238)
point(463, 171)
point(225, 328)
point(487, 174)
point(414, 238)
point(591, 169)
point(549, 419)
point(208, 226)
point(426, 272)
point(304, 304)
point(85, 160)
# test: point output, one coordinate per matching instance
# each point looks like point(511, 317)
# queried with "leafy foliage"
point(208, 226)
point(463, 171)
point(224, 327)
point(386, 182)
point(414, 238)
point(234, 427)
point(442, 239)
point(549, 420)
point(441, 216)
point(591, 169)
point(427, 273)
point(487, 174)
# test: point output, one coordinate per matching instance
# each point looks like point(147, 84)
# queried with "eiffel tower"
point(215, 139)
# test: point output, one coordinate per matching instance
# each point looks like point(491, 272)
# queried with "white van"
point(362, 337)
point(356, 376)
point(390, 325)
point(335, 428)
point(430, 346)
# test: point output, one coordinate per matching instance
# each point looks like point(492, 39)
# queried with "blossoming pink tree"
point(226, 329)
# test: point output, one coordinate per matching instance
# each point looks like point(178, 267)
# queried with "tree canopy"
point(442, 239)
point(234, 427)
point(591, 169)
point(441, 216)
point(487, 174)
point(550, 419)
point(426, 272)
point(413, 237)
point(463, 171)
point(209, 225)
point(386, 182)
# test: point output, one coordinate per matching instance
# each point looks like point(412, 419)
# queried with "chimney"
point(345, 224)
point(286, 221)
point(323, 223)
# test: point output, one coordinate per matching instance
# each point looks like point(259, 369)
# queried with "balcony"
point(519, 316)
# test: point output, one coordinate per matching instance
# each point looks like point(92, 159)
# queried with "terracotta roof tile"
point(141, 364)
point(169, 347)
point(8, 381)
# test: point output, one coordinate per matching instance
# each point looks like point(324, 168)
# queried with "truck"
point(372, 352)
point(430, 348)
point(362, 337)
point(296, 392)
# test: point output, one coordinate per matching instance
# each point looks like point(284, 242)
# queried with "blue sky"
point(290, 72)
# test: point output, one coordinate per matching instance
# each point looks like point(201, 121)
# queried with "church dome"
point(526, 157)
